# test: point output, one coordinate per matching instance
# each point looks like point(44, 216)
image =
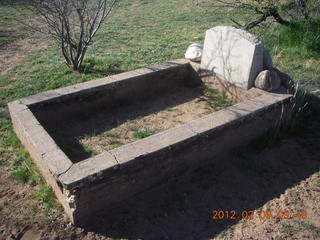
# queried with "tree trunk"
point(255, 23)
point(275, 14)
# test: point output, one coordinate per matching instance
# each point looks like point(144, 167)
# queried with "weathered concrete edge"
point(98, 167)
point(37, 138)
point(50, 159)
point(41, 147)
point(93, 85)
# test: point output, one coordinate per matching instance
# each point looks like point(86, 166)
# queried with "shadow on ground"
point(68, 132)
point(181, 208)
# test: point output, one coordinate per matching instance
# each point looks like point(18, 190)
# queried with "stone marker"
point(233, 55)
point(268, 80)
point(194, 52)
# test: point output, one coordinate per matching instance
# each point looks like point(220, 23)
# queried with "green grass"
point(296, 50)
point(139, 134)
point(301, 39)
point(9, 29)
point(45, 194)
point(21, 174)
point(22, 166)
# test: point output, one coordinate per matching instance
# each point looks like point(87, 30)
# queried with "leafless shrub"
point(71, 23)
point(283, 12)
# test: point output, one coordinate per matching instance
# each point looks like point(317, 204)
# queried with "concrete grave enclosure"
point(96, 183)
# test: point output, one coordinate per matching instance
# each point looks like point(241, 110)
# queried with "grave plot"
point(102, 141)
point(85, 135)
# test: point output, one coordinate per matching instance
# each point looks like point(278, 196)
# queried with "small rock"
point(267, 80)
point(286, 80)
point(267, 60)
point(194, 52)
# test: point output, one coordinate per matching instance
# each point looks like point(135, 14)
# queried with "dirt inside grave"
point(127, 122)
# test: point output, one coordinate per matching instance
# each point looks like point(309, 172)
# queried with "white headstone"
point(233, 55)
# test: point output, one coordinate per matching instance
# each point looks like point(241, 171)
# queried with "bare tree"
point(264, 9)
point(72, 23)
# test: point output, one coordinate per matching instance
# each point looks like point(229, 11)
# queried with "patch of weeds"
point(35, 179)
point(46, 195)
point(301, 39)
point(71, 150)
point(89, 150)
point(10, 140)
point(113, 141)
point(305, 107)
point(139, 134)
point(23, 169)
point(21, 174)
point(216, 99)
point(4, 127)
point(111, 134)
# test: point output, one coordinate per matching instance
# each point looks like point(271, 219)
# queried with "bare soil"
point(197, 104)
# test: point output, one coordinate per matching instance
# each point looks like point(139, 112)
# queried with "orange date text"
point(262, 214)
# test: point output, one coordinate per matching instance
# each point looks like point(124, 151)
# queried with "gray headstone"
point(233, 55)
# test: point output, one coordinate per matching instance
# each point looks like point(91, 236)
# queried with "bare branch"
point(72, 23)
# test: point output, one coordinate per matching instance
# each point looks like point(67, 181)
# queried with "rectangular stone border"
point(97, 182)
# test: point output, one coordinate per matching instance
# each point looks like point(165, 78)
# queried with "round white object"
point(194, 52)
